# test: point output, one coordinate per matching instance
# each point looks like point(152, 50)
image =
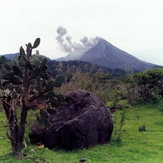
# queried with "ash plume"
point(66, 44)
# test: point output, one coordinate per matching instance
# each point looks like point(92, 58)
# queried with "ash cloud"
point(66, 44)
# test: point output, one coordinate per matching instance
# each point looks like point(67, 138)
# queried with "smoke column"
point(68, 46)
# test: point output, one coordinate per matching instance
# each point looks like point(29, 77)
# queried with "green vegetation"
point(150, 84)
point(70, 67)
point(27, 87)
point(136, 146)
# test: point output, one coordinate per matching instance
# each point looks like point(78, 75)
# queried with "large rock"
point(83, 122)
point(37, 134)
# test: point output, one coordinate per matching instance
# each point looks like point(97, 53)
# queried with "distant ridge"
point(11, 55)
point(106, 54)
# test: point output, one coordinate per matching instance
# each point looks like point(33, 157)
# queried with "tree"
point(150, 83)
point(26, 84)
point(3, 59)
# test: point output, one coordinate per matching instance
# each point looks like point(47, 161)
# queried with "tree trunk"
point(22, 126)
point(14, 128)
point(17, 129)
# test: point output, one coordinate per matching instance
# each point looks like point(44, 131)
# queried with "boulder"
point(83, 122)
point(37, 134)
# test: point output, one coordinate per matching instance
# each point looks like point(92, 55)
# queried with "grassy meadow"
point(134, 147)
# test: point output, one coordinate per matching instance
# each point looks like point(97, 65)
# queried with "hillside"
point(11, 56)
point(105, 54)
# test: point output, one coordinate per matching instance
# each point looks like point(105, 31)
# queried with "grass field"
point(136, 146)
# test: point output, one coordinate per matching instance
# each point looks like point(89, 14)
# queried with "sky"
point(135, 26)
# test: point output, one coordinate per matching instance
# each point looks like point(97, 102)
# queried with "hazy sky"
point(135, 26)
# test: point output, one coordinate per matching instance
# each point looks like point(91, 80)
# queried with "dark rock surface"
point(37, 134)
point(84, 122)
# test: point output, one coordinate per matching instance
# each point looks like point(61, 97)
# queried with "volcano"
point(106, 54)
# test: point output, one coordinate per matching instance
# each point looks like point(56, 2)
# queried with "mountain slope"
point(11, 56)
point(105, 54)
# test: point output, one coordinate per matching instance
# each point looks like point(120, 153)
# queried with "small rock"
point(82, 160)
point(142, 128)
point(137, 117)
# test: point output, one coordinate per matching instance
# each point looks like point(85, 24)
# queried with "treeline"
point(68, 67)
point(143, 86)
